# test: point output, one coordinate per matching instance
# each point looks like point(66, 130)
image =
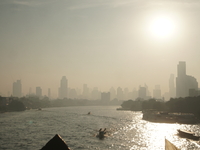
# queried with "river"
point(32, 129)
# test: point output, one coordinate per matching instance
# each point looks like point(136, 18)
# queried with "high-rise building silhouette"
point(112, 93)
point(63, 90)
point(142, 92)
point(39, 92)
point(85, 91)
point(17, 88)
point(120, 94)
point(184, 82)
point(172, 89)
point(157, 92)
point(148, 93)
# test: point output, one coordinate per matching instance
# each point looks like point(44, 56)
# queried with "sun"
point(162, 27)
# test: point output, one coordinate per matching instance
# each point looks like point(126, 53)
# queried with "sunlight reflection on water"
point(157, 132)
point(126, 130)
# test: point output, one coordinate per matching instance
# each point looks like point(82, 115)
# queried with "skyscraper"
point(142, 92)
point(63, 90)
point(181, 87)
point(39, 92)
point(17, 88)
point(172, 89)
point(184, 82)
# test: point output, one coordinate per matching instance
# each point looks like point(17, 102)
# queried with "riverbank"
point(169, 117)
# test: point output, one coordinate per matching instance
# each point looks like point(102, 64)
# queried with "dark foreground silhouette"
point(56, 143)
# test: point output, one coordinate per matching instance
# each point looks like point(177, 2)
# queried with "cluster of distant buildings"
point(183, 86)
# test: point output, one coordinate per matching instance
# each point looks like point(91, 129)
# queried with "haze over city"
point(102, 44)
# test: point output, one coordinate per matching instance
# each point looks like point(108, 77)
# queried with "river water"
point(32, 129)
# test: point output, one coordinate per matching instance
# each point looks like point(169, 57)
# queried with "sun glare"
point(162, 27)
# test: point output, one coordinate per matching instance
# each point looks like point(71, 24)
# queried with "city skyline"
point(186, 85)
point(99, 43)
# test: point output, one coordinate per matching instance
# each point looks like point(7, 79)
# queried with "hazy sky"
point(102, 43)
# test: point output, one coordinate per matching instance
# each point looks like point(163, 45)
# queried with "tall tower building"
point(63, 90)
point(184, 82)
point(39, 92)
point(142, 92)
point(181, 69)
point(17, 88)
point(172, 89)
point(181, 87)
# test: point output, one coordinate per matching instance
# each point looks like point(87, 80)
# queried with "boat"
point(101, 134)
point(187, 134)
point(56, 143)
point(170, 146)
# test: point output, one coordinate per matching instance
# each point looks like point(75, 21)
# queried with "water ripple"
point(125, 130)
